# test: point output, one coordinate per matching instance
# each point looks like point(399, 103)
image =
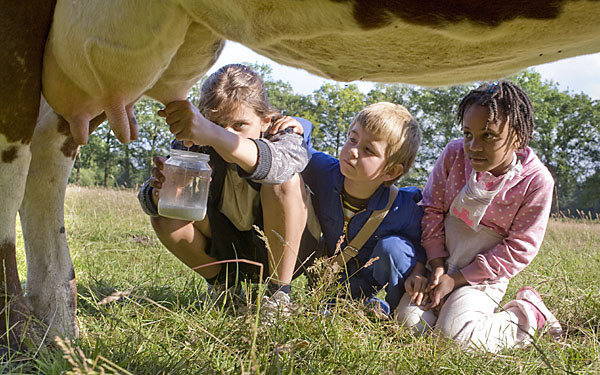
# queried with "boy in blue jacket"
point(381, 147)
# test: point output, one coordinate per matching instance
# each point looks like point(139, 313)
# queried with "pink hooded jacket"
point(519, 213)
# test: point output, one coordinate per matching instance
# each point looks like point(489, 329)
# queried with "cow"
point(94, 59)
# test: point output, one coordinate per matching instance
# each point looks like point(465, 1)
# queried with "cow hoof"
point(19, 329)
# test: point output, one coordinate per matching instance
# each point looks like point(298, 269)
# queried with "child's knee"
point(459, 315)
point(164, 229)
point(453, 327)
point(395, 253)
point(292, 187)
point(289, 193)
point(173, 230)
point(414, 317)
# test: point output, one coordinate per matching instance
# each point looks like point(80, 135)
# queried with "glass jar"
point(185, 190)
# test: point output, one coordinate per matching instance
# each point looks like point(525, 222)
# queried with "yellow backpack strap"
point(377, 216)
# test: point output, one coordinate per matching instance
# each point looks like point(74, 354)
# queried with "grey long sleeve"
point(280, 156)
point(145, 198)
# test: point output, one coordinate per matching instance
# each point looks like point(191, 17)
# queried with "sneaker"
point(380, 308)
point(275, 308)
point(532, 296)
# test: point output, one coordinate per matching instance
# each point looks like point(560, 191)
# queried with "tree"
point(282, 96)
point(567, 129)
point(393, 93)
point(566, 134)
point(336, 107)
point(154, 135)
point(587, 196)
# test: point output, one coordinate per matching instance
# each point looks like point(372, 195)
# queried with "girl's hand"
point(284, 123)
point(437, 265)
point(187, 123)
point(447, 284)
point(157, 178)
point(443, 288)
point(416, 283)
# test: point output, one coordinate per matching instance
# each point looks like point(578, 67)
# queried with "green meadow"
point(141, 311)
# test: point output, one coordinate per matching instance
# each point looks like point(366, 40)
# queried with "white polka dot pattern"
point(519, 212)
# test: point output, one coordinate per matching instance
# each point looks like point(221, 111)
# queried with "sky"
point(577, 74)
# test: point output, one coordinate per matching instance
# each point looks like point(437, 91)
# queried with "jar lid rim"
point(185, 153)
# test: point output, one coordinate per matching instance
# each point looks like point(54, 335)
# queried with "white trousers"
point(473, 317)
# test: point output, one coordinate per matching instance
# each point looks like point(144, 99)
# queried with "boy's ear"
point(393, 172)
point(266, 123)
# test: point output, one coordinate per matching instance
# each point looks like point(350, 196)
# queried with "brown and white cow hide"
point(103, 55)
point(106, 63)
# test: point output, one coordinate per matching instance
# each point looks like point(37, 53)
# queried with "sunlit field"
point(157, 319)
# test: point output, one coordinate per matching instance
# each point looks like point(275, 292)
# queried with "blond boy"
point(381, 147)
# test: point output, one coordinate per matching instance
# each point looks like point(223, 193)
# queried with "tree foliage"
point(336, 107)
point(566, 137)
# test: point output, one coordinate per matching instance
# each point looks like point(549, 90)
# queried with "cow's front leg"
point(14, 314)
point(50, 290)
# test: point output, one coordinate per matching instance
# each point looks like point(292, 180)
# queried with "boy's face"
point(488, 148)
point(245, 122)
point(363, 158)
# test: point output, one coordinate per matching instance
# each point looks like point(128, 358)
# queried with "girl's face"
point(488, 149)
point(245, 122)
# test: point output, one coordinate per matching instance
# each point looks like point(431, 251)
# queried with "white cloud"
point(577, 74)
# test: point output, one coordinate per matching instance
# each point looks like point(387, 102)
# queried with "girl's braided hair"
point(503, 99)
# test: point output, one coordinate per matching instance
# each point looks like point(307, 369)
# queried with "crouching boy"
point(354, 197)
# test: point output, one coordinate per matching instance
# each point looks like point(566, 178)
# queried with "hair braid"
point(503, 99)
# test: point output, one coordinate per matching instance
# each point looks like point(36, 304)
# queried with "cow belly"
point(406, 41)
point(103, 55)
point(197, 54)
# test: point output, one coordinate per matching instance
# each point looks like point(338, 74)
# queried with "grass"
point(154, 323)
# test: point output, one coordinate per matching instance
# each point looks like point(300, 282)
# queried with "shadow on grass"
point(94, 295)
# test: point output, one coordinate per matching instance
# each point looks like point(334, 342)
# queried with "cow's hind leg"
point(51, 290)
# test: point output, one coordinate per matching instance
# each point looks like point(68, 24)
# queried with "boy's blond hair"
point(396, 125)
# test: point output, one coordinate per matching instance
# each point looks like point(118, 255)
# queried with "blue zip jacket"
point(397, 240)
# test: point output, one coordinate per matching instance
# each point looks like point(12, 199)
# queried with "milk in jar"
point(185, 190)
